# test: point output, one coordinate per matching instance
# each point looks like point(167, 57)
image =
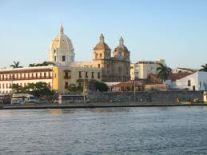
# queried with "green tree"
point(204, 68)
point(16, 65)
point(72, 88)
point(38, 89)
point(163, 72)
point(100, 86)
point(16, 88)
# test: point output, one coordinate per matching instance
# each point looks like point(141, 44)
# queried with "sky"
point(174, 30)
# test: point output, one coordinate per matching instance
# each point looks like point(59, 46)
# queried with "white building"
point(23, 76)
point(142, 69)
point(195, 81)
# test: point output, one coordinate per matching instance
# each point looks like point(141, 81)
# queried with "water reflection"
point(155, 130)
point(109, 110)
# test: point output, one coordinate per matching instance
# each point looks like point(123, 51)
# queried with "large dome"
point(62, 42)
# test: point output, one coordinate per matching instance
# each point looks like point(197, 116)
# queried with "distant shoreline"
point(99, 105)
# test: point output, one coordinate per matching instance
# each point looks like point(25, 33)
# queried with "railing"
point(26, 78)
point(67, 77)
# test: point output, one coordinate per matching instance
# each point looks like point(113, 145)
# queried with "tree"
point(38, 89)
point(100, 86)
point(204, 68)
point(16, 87)
point(163, 72)
point(72, 88)
point(16, 65)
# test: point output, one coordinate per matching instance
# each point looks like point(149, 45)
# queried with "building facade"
point(57, 78)
point(61, 72)
point(116, 67)
point(195, 81)
point(142, 69)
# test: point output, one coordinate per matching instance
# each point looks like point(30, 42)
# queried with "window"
point(63, 58)
point(66, 74)
point(92, 75)
point(99, 65)
point(99, 75)
point(86, 75)
point(100, 55)
point(189, 83)
point(66, 85)
point(80, 75)
point(44, 75)
point(55, 58)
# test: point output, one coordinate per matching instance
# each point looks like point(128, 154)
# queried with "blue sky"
point(175, 30)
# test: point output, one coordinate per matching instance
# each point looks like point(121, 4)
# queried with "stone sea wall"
point(152, 96)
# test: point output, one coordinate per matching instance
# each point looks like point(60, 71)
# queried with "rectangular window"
point(44, 75)
point(80, 75)
point(66, 85)
point(99, 75)
point(63, 58)
point(86, 75)
point(55, 58)
point(92, 75)
point(189, 83)
point(66, 74)
point(99, 65)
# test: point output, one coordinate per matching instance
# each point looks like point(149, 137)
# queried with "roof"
point(177, 76)
point(128, 84)
point(102, 46)
point(62, 42)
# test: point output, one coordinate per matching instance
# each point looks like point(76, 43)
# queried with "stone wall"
point(153, 96)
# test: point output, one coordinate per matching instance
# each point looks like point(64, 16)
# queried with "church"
point(116, 67)
point(62, 69)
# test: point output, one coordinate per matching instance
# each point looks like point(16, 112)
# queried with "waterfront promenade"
point(100, 105)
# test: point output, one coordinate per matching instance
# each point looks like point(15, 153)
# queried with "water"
point(155, 130)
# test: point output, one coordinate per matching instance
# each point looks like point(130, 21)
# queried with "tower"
point(61, 50)
point(101, 50)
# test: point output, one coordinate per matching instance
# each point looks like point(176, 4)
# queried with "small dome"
point(62, 42)
point(121, 46)
point(102, 45)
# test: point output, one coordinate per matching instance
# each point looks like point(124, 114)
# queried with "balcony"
point(67, 77)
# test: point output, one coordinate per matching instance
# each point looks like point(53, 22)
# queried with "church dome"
point(62, 42)
point(102, 45)
point(121, 47)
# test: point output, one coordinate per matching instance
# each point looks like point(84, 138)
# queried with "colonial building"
point(190, 81)
point(58, 75)
point(114, 68)
point(57, 78)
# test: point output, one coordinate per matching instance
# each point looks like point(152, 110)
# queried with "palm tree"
point(204, 68)
point(163, 72)
point(16, 65)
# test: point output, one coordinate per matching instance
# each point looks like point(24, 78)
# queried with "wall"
point(156, 96)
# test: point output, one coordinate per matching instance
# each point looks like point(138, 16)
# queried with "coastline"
point(99, 105)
